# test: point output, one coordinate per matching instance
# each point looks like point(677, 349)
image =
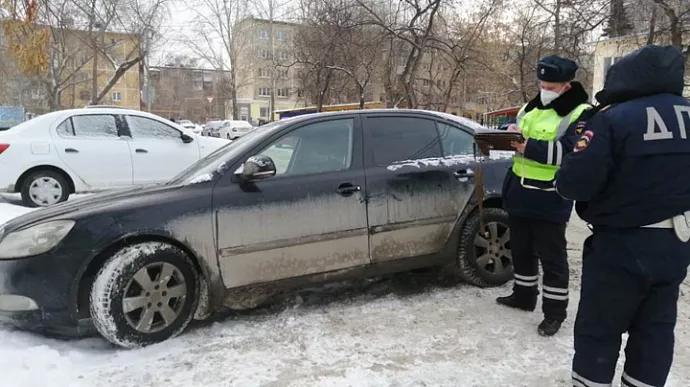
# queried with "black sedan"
point(316, 198)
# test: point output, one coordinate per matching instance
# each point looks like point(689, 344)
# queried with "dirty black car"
point(311, 199)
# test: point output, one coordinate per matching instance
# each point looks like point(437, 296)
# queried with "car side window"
point(66, 129)
point(142, 127)
point(314, 148)
point(455, 141)
point(94, 126)
point(402, 138)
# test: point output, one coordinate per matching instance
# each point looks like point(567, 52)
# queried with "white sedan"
point(86, 150)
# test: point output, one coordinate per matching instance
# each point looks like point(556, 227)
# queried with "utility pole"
point(95, 30)
point(273, 60)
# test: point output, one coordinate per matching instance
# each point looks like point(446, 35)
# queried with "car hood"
point(74, 208)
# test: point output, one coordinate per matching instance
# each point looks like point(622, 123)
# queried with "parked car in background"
point(210, 127)
point(233, 130)
point(187, 124)
point(84, 150)
point(317, 198)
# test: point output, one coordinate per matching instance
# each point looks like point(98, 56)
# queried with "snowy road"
point(405, 330)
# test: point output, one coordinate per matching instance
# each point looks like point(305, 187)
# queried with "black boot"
point(549, 327)
point(526, 301)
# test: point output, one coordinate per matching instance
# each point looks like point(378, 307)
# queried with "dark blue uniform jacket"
point(631, 166)
point(536, 204)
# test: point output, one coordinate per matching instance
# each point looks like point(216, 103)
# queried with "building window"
point(426, 82)
point(84, 95)
point(263, 34)
point(263, 112)
point(608, 62)
point(198, 85)
point(283, 92)
point(264, 73)
point(283, 55)
point(117, 96)
point(265, 54)
point(282, 35)
point(264, 91)
point(36, 94)
point(283, 73)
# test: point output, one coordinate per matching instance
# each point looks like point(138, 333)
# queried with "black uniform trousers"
point(630, 283)
point(532, 241)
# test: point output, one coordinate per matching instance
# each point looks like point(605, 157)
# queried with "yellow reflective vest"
point(545, 125)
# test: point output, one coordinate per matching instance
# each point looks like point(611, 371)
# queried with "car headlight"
point(34, 240)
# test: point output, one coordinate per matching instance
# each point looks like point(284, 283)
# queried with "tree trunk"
point(360, 88)
point(121, 70)
point(652, 27)
point(233, 93)
point(557, 27)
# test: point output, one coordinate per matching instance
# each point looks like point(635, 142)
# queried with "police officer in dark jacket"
point(537, 214)
point(626, 175)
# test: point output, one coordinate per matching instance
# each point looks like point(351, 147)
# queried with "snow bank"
point(405, 330)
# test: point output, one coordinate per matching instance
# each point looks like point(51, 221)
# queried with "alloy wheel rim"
point(492, 249)
point(154, 297)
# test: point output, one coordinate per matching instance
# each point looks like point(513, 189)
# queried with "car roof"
point(470, 124)
point(63, 114)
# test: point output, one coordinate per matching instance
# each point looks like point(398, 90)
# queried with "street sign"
point(210, 99)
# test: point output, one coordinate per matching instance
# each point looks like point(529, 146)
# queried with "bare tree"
point(136, 24)
point(316, 46)
point(412, 23)
point(457, 42)
point(677, 14)
point(219, 38)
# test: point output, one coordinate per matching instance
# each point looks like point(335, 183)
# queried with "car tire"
point(55, 188)
point(144, 322)
point(492, 248)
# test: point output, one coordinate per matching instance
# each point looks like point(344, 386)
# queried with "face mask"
point(548, 96)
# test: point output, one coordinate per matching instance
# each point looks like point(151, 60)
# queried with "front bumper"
point(35, 294)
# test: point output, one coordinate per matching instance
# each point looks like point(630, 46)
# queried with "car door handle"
point(464, 173)
point(139, 150)
point(71, 150)
point(347, 189)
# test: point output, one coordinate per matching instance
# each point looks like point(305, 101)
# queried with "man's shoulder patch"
point(583, 141)
point(580, 126)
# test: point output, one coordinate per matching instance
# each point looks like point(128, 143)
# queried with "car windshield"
point(214, 162)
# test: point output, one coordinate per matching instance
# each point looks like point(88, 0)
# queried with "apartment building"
point(265, 68)
point(608, 51)
point(76, 57)
point(195, 94)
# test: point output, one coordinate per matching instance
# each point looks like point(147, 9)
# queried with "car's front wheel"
point(44, 188)
point(484, 256)
point(145, 293)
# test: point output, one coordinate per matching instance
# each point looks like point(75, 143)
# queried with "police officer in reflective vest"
point(628, 176)
point(537, 214)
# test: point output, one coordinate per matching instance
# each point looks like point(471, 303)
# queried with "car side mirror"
point(257, 167)
point(186, 138)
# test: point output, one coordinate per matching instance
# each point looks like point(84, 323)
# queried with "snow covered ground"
point(404, 330)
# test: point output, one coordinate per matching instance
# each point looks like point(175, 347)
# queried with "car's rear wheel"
point(44, 188)
point(484, 257)
point(145, 293)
